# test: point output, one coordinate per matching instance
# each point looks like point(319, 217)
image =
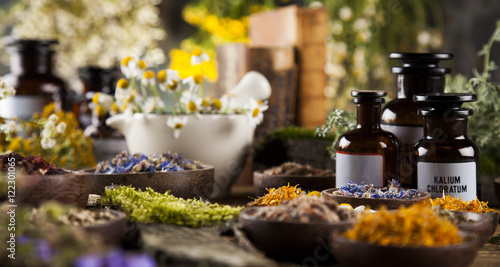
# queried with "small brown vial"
point(367, 154)
point(447, 160)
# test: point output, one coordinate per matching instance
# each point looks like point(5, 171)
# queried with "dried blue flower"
point(393, 191)
point(125, 163)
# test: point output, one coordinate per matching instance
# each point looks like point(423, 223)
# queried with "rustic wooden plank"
point(232, 60)
point(174, 245)
point(277, 65)
point(274, 27)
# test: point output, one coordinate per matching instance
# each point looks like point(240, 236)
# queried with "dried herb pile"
point(452, 203)
point(274, 196)
point(417, 225)
point(152, 207)
point(393, 191)
point(30, 165)
point(125, 163)
point(307, 209)
point(292, 168)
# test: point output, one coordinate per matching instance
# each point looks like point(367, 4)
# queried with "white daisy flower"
point(198, 57)
point(48, 143)
point(177, 123)
point(255, 111)
point(168, 80)
point(61, 127)
point(53, 118)
point(153, 104)
point(194, 82)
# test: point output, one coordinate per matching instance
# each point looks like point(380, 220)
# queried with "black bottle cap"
point(440, 103)
point(42, 45)
point(368, 96)
point(421, 63)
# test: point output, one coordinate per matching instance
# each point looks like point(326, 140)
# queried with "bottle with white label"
point(367, 154)
point(447, 160)
point(420, 74)
point(31, 75)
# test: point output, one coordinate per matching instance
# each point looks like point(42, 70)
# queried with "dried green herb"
point(152, 207)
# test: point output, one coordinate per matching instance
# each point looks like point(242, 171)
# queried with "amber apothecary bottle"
point(32, 77)
point(367, 154)
point(419, 74)
point(447, 160)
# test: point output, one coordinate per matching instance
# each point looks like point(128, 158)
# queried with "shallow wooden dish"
point(70, 188)
point(306, 243)
point(357, 253)
point(375, 203)
point(110, 232)
point(262, 182)
point(185, 184)
point(480, 227)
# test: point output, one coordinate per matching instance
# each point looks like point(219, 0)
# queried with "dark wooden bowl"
point(357, 253)
point(262, 182)
point(70, 188)
point(110, 232)
point(375, 203)
point(306, 243)
point(482, 226)
point(185, 184)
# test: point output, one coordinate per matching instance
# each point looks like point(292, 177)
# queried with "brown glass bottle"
point(367, 154)
point(94, 80)
point(447, 161)
point(32, 77)
point(420, 74)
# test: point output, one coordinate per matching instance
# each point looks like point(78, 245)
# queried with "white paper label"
point(359, 168)
point(454, 179)
point(22, 106)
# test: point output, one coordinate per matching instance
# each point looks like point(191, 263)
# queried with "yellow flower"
point(161, 76)
point(181, 62)
point(15, 144)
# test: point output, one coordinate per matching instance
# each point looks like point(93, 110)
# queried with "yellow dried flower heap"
point(457, 204)
point(417, 225)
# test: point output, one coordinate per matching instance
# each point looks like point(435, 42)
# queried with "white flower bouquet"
point(167, 92)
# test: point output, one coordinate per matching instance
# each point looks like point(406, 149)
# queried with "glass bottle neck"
point(443, 128)
point(409, 85)
point(368, 115)
point(31, 61)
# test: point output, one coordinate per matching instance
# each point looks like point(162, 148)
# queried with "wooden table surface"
point(488, 255)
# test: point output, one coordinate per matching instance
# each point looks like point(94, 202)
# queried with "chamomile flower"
point(153, 104)
point(168, 80)
point(9, 128)
point(132, 68)
point(177, 123)
point(255, 111)
point(198, 57)
point(194, 82)
point(61, 127)
point(192, 103)
point(103, 100)
point(148, 78)
point(228, 103)
point(48, 143)
point(53, 118)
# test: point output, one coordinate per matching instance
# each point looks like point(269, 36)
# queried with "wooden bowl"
point(306, 243)
point(480, 225)
point(70, 188)
point(110, 232)
point(262, 182)
point(375, 203)
point(354, 253)
point(185, 184)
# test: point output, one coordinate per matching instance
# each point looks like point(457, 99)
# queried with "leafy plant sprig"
point(484, 125)
point(338, 122)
